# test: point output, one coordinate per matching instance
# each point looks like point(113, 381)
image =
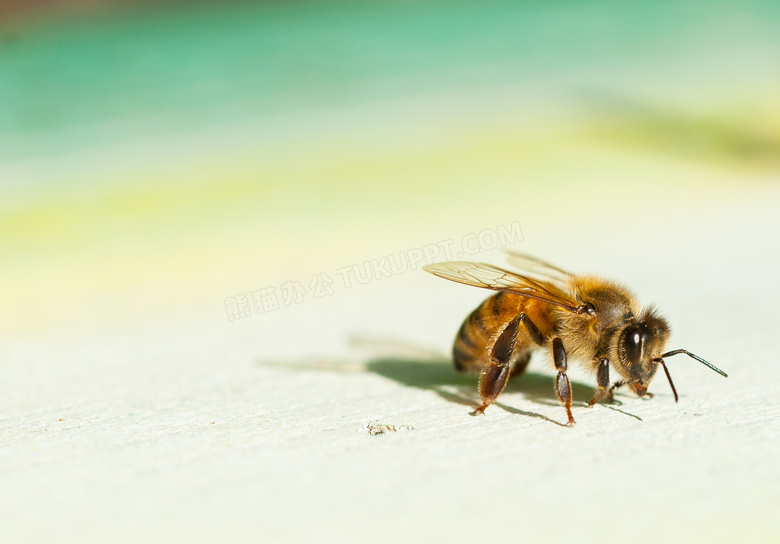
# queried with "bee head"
point(639, 347)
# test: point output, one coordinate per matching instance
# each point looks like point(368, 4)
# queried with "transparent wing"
point(535, 267)
point(492, 277)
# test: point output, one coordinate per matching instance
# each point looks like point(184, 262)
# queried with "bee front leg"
point(562, 385)
point(495, 375)
point(602, 380)
point(610, 392)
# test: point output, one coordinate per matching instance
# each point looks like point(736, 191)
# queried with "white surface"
point(200, 429)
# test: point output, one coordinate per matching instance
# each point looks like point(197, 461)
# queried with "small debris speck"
point(375, 428)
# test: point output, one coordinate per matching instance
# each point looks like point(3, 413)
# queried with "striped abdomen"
point(470, 349)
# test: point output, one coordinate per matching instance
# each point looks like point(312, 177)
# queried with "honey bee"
point(584, 317)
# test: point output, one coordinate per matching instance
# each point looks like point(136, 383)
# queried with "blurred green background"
point(156, 158)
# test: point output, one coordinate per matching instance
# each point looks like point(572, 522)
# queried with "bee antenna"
point(694, 356)
point(669, 377)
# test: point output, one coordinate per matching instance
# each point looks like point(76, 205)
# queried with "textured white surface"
point(199, 429)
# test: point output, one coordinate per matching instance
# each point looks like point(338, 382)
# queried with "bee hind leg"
point(494, 376)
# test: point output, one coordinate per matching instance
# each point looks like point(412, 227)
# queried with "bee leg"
point(602, 380)
point(519, 364)
point(608, 395)
point(562, 385)
point(522, 359)
point(615, 385)
point(496, 373)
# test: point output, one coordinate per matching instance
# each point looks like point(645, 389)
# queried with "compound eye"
point(633, 338)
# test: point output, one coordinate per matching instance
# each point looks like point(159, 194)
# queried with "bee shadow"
point(421, 368)
point(440, 376)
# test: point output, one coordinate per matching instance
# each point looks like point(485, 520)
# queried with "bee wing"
point(492, 277)
point(532, 265)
